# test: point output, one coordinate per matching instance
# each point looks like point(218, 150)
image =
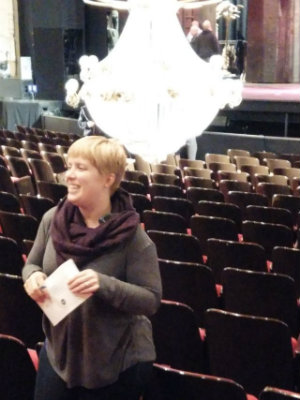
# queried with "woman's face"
point(86, 186)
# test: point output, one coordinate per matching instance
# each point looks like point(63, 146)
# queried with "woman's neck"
point(92, 217)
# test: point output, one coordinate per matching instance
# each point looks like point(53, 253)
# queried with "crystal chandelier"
point(152, 91)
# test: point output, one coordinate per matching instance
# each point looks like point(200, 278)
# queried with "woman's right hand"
point(34, 287)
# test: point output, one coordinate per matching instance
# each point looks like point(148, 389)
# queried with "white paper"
point(62, 301)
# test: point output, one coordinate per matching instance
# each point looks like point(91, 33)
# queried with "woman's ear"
point(110, 180)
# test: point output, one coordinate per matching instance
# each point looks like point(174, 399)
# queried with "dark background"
point(55, 33)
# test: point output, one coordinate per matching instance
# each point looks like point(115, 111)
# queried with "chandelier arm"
point(189, 5)
point(114, 4)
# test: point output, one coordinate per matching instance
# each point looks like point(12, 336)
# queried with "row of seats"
point(31, 182)
point(217, 171)
point(229, 350)
point(21, 209)
point(247, 291)
point(173, 384)
point(247, 388)
point(18, 371)
point(38, 135)
point(176, 333)
point(255, 211)
point(252, 351)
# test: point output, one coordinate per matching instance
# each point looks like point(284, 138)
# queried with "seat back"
point(228, 253)
point(35, 206)
point(263, 155)
point(255, 169)
point(289, 202)
point(272, 215)
point(215, 167)
point(233, 176)
point(165, 179)
point(41, 170)
point(253, 351)
point(11, 260)
point(62, 149)
point(227, 185)
point(237, 152)
point(213, 157)
point(133, 187)
point(286, 261)
point(194, 181)
point(18, 226)
point(165, 169)
point(242, 160)
point(292, 157)
point(30, 154)
point(29, 145)
point(262, 294)
point(195, 194)
point(9, 202)
point(243, 199)
point(18, 166)
point(140, 202)
point(271, 393)
point(295, 183)
point(277, 179)
point(20, 316)
point(172, 384)
point(165, 190)
point(142, 165)
point(46, 145)
point(289, 172)
point(197, 172)
point(137, 176)
point(177, 246)
point(16, 370)
point(220, 209)
point(277, 163)
point(10, 151)
point(183, 207)
point(56, 161)
point(206, 227)
point(51, 190)
point(6, 184)
point(164, 221)
point(176, 337)
point(267, 235)
point(269, 189)
point(189, 283)
point(13, 142)
point(184, 162)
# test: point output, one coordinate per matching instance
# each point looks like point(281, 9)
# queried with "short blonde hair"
point(107, 155)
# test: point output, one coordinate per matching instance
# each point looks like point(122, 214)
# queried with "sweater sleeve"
point(34, 260)
point(141, 293)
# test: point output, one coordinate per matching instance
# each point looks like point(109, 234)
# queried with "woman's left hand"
point(85, 283)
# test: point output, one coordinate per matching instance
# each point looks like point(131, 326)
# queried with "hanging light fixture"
point(152, 91)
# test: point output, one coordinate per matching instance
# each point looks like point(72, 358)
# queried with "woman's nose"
point(70, 173)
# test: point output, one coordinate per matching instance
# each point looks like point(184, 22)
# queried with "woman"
point(104, 348)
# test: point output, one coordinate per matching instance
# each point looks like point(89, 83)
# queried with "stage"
point(26, 112)
point(268, 104)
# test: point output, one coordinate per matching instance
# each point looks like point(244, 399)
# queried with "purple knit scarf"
point(73, 239)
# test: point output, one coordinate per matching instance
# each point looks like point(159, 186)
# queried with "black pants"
point(130, 385)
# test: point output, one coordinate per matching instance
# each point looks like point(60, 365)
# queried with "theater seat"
point(173, 384)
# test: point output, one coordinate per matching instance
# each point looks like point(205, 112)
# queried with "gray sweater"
point(110, 331)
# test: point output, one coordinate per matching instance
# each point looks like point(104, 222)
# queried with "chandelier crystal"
point(152, 91)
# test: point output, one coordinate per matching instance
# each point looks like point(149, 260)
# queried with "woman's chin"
point(72, 198)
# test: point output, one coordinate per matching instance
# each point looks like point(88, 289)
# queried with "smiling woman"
point(104, 348)
point(95, 169)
